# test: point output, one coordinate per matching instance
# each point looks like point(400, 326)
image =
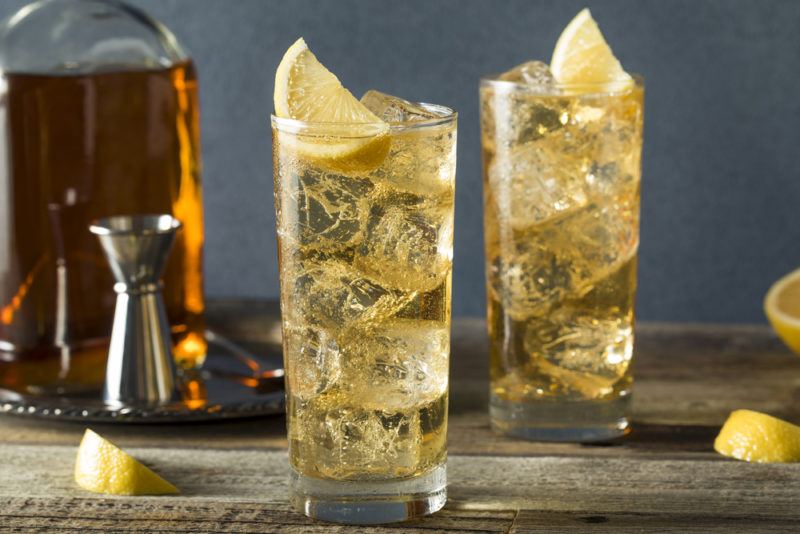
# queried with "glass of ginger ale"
point(561, 156)
point(364, 195)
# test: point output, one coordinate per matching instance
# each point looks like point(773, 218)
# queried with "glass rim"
point(366, 129)
point(571, 90)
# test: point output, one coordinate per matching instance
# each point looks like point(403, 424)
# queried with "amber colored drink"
point(365, 245)
point(366, 258)
point(76, 148)
point(561, 191)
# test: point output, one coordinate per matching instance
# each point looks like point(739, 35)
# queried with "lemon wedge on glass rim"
point(344, 133)
point(102, 467)
point(582, 57)
point(758, 437)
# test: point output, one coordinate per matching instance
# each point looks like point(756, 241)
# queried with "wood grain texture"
point(105, 515)
point(664, 476)
point(530, 522)
point(251, 485)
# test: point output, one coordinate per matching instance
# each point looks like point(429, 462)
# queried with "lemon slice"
point(102, 467)
point(758, 437)
point(782, 306)
point(582, 57)
point(350, 135)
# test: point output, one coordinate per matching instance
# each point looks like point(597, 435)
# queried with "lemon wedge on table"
point(102, 467)
point(782, 307)
point(582, 57)
point(758, 437)
point(307, 91)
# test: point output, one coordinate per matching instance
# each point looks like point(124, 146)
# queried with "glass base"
point(369, 502)
point(549, 420)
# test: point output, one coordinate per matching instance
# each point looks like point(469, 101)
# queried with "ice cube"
point(582, 354)
point(535, 182)
point(406, 360)
point(597, 240)
point(408, 243)
point(563, 258)
point(533, 73)
point(334, 296)
point(607, 137)
point(386, 412)
point(615, 153)
point(348, 441)
point(420, 162)
point(529, 278)
point(313, 361)
point(322, 210)
point(395, 109)
point(512, 118)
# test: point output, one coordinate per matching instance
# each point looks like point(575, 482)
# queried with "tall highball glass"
point(561, 200)
point(365, 240)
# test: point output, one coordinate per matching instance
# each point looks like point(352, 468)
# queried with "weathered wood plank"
point(153, 515)
point(664, 476)
point(568, 484)
point(687, 380)
point(683, 374)
point(625, 486)
point(531, 522)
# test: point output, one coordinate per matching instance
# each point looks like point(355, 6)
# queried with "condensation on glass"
point(365, 252)
point(561, 210)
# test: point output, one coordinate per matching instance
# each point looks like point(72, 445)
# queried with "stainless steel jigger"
point(140, 369)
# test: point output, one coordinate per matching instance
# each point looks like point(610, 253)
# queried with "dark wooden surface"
point(664, 476)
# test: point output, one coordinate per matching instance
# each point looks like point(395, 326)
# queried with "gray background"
point(721, 167)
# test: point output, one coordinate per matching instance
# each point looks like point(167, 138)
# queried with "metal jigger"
point(140, 369)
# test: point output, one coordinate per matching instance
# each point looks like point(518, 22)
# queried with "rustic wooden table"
point(663, 476)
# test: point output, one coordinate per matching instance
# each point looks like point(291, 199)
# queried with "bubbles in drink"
point(562, 213)
point(334, 295)
point(561, 259)
point(407, 243)
point(532, 183)
point(316, 365)
point(366, 256)
point(580, 354)
point(322, 210)
point(334, 436)
point(406, 360)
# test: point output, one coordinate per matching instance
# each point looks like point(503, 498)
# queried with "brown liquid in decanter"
point(77, 148)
